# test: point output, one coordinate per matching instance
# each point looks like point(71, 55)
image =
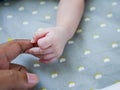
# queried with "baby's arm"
point(51, 41)
point(69, 15)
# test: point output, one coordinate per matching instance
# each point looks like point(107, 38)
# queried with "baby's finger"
point(48, 50)
point(38, 35)
point(49, 56)
point(35, 50)
point(38, 56)
point(48, 61)
point(44, 42)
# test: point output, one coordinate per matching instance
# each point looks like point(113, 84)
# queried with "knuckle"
point(14, 75)
point(17, 79)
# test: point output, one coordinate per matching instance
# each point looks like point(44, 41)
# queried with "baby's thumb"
point(15, 80)
point(44, 42)
point(38, 35)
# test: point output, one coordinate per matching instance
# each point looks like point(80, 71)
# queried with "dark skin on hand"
point(13, 76)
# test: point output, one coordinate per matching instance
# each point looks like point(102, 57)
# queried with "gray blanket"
point(90, 59)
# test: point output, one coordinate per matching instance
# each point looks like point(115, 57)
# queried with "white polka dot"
point(98, 75)
point(87, 19)
point(21, 8)
point(36, 64)
point(55, 7)
point(62, 60)
point(6, 3)
point(109, 15)
point(39, 29)
point(25, 23)
point(71, 84)
point(114, 3)
point(9, 16)
point(103, 25)
point(106, 59)
point(81, 68)
point(96, 36)
point(70, 42)
point(79, 31)
point(34, 12)
point(0, 28)
point(42, 2)
point(118, 30)
point(47, 17)
point(54, 75)
point(86, 52)
point(92, 8)
point(115, 45)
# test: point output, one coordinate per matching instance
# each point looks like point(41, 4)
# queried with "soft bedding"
point(91, 59)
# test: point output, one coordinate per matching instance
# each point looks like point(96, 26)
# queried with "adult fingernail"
point(32, 78)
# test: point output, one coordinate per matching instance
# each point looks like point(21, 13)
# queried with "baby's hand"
point(51, 43)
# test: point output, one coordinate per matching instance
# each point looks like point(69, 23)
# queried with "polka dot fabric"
point(91, 58)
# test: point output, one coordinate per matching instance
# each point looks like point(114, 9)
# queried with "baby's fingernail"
point(32, 41)
point(32, 78)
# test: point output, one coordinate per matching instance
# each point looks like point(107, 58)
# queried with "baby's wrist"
point(69, 33)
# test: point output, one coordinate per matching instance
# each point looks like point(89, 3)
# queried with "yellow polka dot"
point(79, 31)
point(96, 36)
point(42, 2)
point(6, 3)
point(71, 84)
point(87, 19)
point(106, 59)
point(54, 75)
point(9, 16)
point(25, 23)
point(9, 39)
point(21, 8)
point(47, 17)
point(81, 68)
point(43, 89)
point(114, 3)
point(115, 45)
point(109, 15)
point(98, 75)
point(34, 12)
point(36, 64)
point(93, 8)
point(118, 30)
point(91, 89)
point(0, 28)
point(118, 81)
point(86, 52)
point(70, 42)
point(103, 25)
point(62, 60)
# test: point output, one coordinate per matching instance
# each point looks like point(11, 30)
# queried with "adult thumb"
point(16, 80)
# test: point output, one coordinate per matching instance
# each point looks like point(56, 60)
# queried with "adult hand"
point(12, 76)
